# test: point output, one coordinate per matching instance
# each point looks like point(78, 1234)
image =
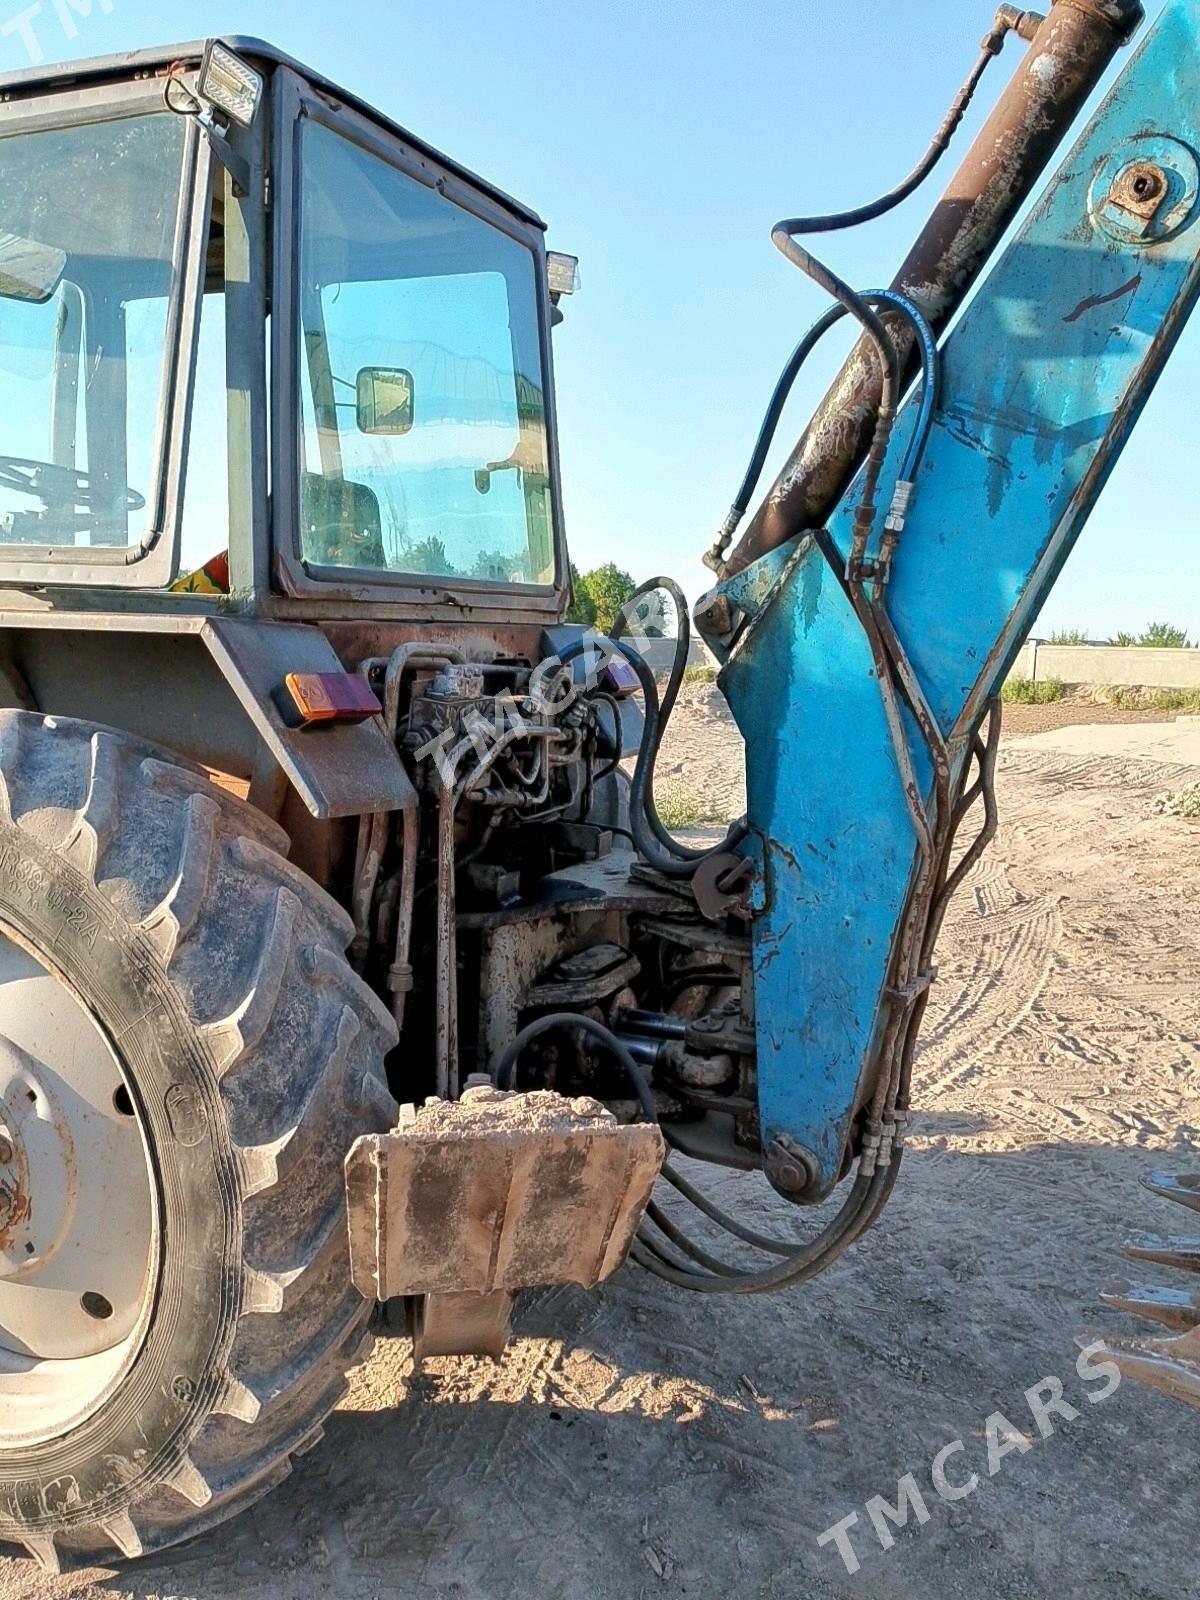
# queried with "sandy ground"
point(1078, 709)
point(642, 1441)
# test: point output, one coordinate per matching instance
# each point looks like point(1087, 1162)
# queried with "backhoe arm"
point(861, 692)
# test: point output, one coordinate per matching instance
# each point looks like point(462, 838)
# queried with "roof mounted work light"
point(562, 272)
point(230, 84)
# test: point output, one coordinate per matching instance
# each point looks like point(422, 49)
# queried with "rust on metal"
point(497, 1192)
point(1138, 195)
point(722, 885)
point(16, 1187)
point(461, 1324)
point(1066, 60)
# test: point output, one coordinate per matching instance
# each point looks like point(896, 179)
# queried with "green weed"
point(1025, 692)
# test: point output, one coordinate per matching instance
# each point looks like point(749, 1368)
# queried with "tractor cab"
point(260, 348)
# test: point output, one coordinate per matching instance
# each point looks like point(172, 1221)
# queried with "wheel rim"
point(78, 1213)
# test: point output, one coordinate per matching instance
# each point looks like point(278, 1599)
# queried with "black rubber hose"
point(863, 1205)
point(770, 423)
point(676, 1235)
point(571, 1019)
point(837, 220)
point(683, 644)
point(669, 866)
point(723, 1219)
point(889, 360)
point(653, 714)
point(796, 362)
point(782, 236)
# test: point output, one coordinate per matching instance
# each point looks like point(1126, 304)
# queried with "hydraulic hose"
point(674, 1256)
point(864, 1203)
point(866, 1199)
point(876, 1179)
point(506, 1070)
point(683, 643)
point(1008, 20)
point(930, 395)
point(1069, 53)
point(693, 1267)
point(675, 864)
point(641, 807)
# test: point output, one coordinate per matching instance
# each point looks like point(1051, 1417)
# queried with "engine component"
point(595, 975)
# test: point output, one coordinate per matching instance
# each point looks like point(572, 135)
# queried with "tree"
point(428, 555)
point(599, 595)
point(583, 607)
point(1162, 636)
point(1158, 636)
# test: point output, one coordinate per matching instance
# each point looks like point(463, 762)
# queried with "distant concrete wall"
point(1137, 668)
point(660, 653)
point(1073, 664)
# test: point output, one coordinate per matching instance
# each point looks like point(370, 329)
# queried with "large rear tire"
point(244, 1058)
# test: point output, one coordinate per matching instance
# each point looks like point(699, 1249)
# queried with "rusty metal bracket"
point(722, 885)
point(460, 1324)
point(1147, 191)
point(491, 1194)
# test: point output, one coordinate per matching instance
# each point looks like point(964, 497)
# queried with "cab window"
point(423, 445)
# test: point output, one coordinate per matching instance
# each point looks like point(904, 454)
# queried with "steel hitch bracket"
point(465, 1203)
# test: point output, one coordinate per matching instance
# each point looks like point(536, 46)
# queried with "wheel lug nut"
point(6, 1151)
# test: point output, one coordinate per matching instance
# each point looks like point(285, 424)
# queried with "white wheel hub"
point(77, 1207)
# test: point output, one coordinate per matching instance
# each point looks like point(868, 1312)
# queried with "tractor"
point(349, 976)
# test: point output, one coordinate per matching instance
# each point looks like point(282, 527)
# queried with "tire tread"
point(222, 880)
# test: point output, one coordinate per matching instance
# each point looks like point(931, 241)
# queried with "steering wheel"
point(59, 486)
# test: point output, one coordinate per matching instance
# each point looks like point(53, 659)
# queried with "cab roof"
point(14, 85)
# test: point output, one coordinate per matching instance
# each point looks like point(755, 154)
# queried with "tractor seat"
point(342, 523)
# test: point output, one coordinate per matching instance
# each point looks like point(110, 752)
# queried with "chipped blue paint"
point(1045, 377)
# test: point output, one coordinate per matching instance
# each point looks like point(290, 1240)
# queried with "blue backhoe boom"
point(861, 679)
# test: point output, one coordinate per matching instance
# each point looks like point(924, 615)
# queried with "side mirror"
point(385, 400)
point(29, 271)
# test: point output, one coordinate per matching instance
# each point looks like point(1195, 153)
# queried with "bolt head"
point(718, 616)
point(1141, 189)
point(792, 1170)
point(6, 1150)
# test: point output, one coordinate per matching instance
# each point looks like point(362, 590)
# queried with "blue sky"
point(661, 141)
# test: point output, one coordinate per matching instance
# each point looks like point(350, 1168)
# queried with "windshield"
point(87, 228)
point(423, 435)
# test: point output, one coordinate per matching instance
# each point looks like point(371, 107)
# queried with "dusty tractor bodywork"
point(344, 955)
point(310, 800)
